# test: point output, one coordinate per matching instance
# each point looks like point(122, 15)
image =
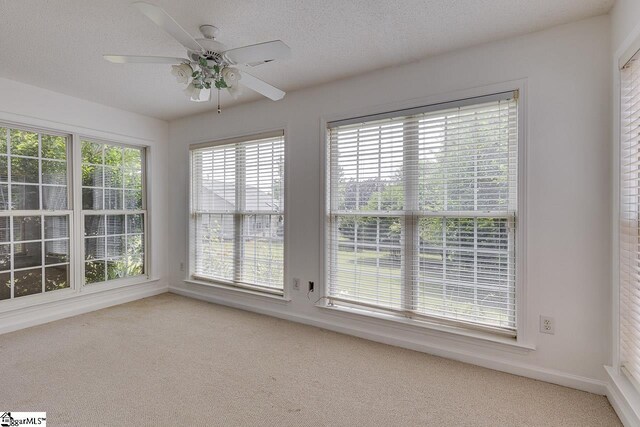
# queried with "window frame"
point(74, 135)
point(191, 277)
point(77, 183)
point(523, 328)
point(32, 299)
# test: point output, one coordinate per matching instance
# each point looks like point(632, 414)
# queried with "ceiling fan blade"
point(167, 23)
point(257, 54)
point(134, 59)
point(261, 87)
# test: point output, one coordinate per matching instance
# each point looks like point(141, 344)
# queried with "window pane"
point(133, 179)
point(116, 268)
point(94, 225)
point(54, 147)
point(5, 286)
point(115, 224)
point(113, 199)
point(92, 199)
point(5, 257)
point(91, 152)
point(56, 252)
point(5, 224)
point(54, 198)
point(24, 170)
point(215, 246)
point(4, 169)
point(133, 199)
point(368, 260)
point(94, 248)
point(54, 172)
point(4, 197)
point(27, 254)
point(115, 246)
point(135, 266)
point(24, 143)
point(25, 197)
point(92, 176)
point(94, 272)
point(27, 282)
point(263, 250)
point(3, 140)
point(133, 158)
point(112, 177)
point(56, 278)
point(26, 228)
point(135, 224)
point(135, 244)
point(56, 227)
point(112, 155)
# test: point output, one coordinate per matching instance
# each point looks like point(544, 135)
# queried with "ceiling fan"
point(209, 65)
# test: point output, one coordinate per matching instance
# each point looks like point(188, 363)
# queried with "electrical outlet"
point(547, 325)
point(311, 286)
point(296, 283)
point(182, 266)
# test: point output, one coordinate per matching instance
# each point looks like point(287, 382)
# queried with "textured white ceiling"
point(59, 44)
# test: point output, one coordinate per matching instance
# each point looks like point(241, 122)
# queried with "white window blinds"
point(422, 212)
point(630, 220)
point(237, 212)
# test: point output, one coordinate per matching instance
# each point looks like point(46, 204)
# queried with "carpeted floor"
point(172, 361)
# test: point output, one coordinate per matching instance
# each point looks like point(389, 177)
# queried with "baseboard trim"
point(526, 370)
point(624, 398)
point(80, 304)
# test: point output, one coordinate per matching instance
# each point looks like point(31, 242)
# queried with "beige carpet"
point(174, 361)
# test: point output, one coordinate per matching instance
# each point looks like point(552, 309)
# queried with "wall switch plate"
point(182, 266)
point(296, 283)
point(547, 325)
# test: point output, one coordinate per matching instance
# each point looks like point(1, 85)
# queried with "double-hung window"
point(629, 232)
point(422, 210)
point(237, 212)
point(35, 215)
point(113, 210)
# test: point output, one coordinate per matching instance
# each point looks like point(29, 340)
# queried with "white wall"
point(568, 80)
point(29, 105)
point(625, 17)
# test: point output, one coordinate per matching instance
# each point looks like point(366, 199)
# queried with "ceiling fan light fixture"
point(210, 64)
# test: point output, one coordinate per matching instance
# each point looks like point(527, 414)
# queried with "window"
point(35, 218)
point(629, 233)
point(422, 210)
point(114, 211)
point(237, 212)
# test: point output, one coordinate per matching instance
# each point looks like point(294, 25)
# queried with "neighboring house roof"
point(225, 197)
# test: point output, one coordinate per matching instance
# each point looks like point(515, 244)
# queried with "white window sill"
point(17, 304)
point(116, 284)
point(415, 325)
point(236, 289)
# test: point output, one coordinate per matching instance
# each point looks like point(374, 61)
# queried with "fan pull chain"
point(219, 109)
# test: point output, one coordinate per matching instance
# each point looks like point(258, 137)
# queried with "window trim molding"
point(524, 327)
point(188, 276)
